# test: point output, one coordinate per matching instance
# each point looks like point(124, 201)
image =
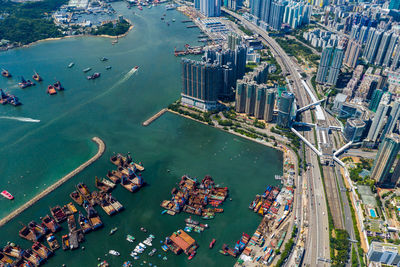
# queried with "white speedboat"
point(114, 252)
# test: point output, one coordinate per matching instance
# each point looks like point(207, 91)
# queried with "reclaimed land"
point(101, 148)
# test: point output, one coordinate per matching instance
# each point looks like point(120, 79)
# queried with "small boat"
point(143, 229)
point(114, 252)
point(94, 76)
point(140, 8)
point(191, 221)
point(173, 20)
point(113, 230)
point(103, 59)
point(57, 85)
point(165, 248)
point(37, 77)
point(130, 238)
point(52, 241)
point(51, 90)
point(87, 69)
point(212, 243)
point(70, 65)
point(84, 223)
point(136, 68)
point(152, 252)
point(192, 255)
point(6, 73)
point(108, 68)
point(77, 198)
point(65, 242)
point(50, 223)
point(7, 195)
point(164, 211)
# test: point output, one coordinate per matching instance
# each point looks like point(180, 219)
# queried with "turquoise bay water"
point(34, 155)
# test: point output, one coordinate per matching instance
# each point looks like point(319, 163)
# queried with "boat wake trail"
point(127, 76)
point(19, 119)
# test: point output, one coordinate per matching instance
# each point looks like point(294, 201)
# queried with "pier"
point(154, 117)
point(192, 26)
point(15, 213)
point(186, 21)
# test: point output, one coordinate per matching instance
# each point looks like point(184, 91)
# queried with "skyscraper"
point(240, 101)
point(390, 50)
point(363, 34)
point(329, 66)
point(385, 158)
point(265, 12)
point(255, 8)
point(210, 8)
point(375, 99)
point(197, 4)
point(260, 102)
point(285, 108)
point(269, 104)
point(297, 14)
point(373, 42)
point(352, 53)
point(392, 118)
point(383, 48)
point(276, 16)
point(201, 82)
point(250, 98)
point(379, 119)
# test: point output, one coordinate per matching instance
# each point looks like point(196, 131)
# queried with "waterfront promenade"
point(101, 148)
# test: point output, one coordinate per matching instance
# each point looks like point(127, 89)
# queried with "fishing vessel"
point(87, 69)
point(51, 90)
point(33, 257)
point(41, 250)
point(70, 65)
point(84, 191)
point(102, 186)
point(58, 214)
point(37, 77)
point(106, 206)
point(65, 242)
point(57, 85)
point(84, 223)
point(7, 195)
point(52, 242)
point(114, 176)
point(93, 217)
point(94, 76)
point(51, 224)
point(76, 197)
point(13, 250)
point(25, 83)
point(114, 252)
point(6, 73)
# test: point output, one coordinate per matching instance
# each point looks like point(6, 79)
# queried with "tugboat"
point(57, 85)
point(37, 77)
point(51, 90)
point(6, 73)
point(7, 195)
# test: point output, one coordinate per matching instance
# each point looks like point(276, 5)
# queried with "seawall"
point(101, 148)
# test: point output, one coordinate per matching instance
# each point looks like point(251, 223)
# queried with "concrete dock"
point(100, 151)
point(154, 117)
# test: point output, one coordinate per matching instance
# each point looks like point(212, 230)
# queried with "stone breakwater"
point(101, 148)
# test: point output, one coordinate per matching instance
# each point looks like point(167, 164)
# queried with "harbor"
point(114, 109)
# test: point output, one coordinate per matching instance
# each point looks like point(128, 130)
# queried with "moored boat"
point(72, 208)
point(51, 90)
point(50, 223)
point(115, 203)
point(77, 197)
point(5, 260)
point(41, 250)
point(108, 183)
point(13, 250)
point(71, 223)
point(191, 256)
point(84, 191)
point(7, 195)
point(84, 223)
point(58, 214)
point(114, 176)
point(33, 257)
point(102, 186)
point(52, 242)
point(93, 217)
point(130, 238)
point(65, 242)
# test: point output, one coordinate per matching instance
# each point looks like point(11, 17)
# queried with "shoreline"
point(71, 36)
point(101, 148)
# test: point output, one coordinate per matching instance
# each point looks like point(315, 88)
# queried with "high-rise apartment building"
point(385, 158)
point(210, 8)
point(352, 53)
point(375, 99)
point(373, 43)
point(276, 16)
point(201, 83)
point(329, 66)
point(285, 109)
point(379, 119)
point(394, 4)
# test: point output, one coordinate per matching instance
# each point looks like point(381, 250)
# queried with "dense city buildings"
point(329, 66)
point(385, 158)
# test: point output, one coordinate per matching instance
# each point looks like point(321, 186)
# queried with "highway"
point(318, 238)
